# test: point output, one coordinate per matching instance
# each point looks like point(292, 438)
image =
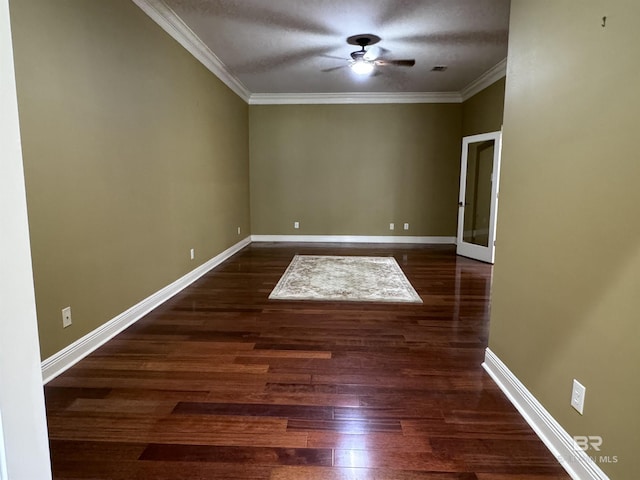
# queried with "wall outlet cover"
point(66, 317)
point(577, 396)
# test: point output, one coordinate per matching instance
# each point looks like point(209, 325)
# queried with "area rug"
point(353, 279)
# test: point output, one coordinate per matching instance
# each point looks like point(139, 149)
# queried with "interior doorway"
point(478, 198)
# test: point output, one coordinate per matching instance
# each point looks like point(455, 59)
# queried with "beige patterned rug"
point(355, 279)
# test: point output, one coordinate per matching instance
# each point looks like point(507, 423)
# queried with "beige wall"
point(133, 152)
point(483, 112)
point(567, 273)
point(353, 169)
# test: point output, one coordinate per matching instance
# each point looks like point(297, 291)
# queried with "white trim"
point(352, 98)
point(572, 458)
point(3, 457)
point(69, 356)
point(485, 80)
point(171, 23)
point(24, 443)
point(353, 239)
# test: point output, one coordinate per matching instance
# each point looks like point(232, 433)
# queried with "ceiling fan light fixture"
point(362, 67)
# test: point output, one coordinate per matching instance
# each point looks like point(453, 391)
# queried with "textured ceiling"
point(285, 46)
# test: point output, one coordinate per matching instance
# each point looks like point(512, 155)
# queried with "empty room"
point(389, 240)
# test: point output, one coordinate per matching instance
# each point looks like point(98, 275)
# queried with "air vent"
point(439, 68)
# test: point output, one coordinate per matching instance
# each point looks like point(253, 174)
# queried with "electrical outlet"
point(577, 396)
point(296, 224)
point(406, 226)
point(193, 253)
point(66, 317)
point(392, 226)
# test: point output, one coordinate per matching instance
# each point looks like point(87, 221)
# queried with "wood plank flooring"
point(222, 383)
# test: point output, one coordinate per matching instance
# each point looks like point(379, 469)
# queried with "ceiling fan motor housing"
point(362, 40)
point(362, 61)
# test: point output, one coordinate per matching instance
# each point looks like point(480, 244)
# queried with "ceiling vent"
point(439, 68)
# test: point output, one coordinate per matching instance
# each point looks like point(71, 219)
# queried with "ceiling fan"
point(364, 61)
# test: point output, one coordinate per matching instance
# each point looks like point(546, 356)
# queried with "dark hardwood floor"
point(222, 383)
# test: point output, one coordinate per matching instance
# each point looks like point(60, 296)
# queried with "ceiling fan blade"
point(282, 60)
point(237, 11)
point(333, 68)
point(494, 37)
point(397, 63)
point(334, 57)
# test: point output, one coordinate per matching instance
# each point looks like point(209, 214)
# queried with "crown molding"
point(483, 81)
point(352, 98)
point(169, 21)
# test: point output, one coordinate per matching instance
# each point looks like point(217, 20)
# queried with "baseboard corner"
point(572, 458)
point(72, 354)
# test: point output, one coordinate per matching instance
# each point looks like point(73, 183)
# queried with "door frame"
point(471, 250)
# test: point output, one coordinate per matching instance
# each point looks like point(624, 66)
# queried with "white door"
point(478, 200)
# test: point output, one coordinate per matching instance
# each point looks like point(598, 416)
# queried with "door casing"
point(469, 249)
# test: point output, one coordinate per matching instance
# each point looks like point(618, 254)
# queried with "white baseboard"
point(572, 458)
point(69, 356)
point(353, 239)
